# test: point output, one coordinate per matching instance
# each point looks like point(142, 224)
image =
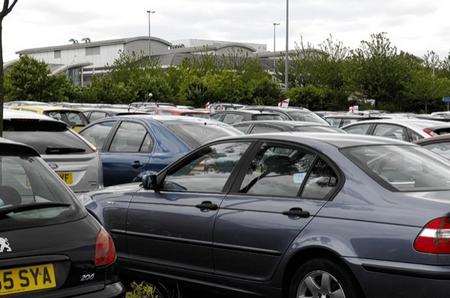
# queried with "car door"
point(127, 154)
point(275, 196)
point(173, 226)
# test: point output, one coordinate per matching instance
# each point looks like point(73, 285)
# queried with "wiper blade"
point(63, 150)
point(28, 207)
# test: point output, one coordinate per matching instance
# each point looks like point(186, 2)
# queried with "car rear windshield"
point(402, 168)
point(304, 116)
point(25, 180)
point(46, 137)
point(267, 117)
point(323, 129)
point(197, 134)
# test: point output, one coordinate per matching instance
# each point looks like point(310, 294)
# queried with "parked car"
point(311, 215)
point(182, 112)
point(75, 160)
point(439, 145)
point(74, 118)
point(405, 129)
point(254, 127)
point(292, 114)
point(236, 116)
point(131, 145)
point(94, 114)
point(344, 120)
point(49, 245)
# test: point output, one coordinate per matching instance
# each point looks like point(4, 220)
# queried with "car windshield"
point(46, 138)
point(306, 117)
point(402, 168)
point(196, 134)
point(26, 181)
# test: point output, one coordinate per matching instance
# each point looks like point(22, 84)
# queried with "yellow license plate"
point(67, 177)
point(27, 279)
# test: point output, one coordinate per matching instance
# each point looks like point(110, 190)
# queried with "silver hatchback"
point(75, 160)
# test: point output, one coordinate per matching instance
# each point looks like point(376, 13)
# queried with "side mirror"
point(150, 181)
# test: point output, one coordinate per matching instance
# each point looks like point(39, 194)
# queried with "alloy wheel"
point(320, 284)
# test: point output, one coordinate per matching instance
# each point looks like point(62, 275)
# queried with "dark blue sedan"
point(134, 144)
point(291, 215)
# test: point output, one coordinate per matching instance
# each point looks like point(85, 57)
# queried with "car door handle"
point(297, 213)
point(136, 164)
point(207, 206)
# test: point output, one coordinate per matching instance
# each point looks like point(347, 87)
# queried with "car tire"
point(323, 278)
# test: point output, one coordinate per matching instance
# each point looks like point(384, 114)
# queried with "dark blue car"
point(297, 215)
point(134, 144)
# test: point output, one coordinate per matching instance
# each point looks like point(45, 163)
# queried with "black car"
point(231, 117)
point(254, 127)
point(49, 244)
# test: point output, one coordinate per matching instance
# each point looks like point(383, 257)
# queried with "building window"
point(92, 51)
point(57, 54)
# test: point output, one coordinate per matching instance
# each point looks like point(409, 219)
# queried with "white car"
point(73, 158)
point(404, 129)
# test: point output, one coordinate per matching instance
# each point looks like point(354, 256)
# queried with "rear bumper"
point(379, 279)
point(115, 290)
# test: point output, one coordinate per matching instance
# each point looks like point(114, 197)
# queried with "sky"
point(413, 25)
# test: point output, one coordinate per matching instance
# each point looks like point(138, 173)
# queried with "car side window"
point(209, 171)
point(335, 122)
point(358, 129)
point(231, 118)
point(147, 144)
point(98, 133)
point(321, 181)
point(97, 116)
point(260, 128)
point(414, 136)
point(129, 138)
point(277, 170)
point(391, 131)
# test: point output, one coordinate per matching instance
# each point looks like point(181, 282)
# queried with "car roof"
point(16, 114)
point(409, 122)
point(45, 108)
point(164, 118)
point(336, 140)
point(250, 112)
point(283, 123)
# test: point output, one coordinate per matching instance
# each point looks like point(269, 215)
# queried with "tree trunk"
point(2, 80)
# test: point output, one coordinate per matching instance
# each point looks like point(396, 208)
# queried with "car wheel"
point(323, 278)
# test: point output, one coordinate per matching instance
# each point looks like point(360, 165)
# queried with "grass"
point(141, 290)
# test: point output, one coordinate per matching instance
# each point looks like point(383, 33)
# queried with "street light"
point(286, 61)
point(275, 45)
point(150, 12)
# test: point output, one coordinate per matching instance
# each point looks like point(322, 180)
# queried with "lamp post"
point(150, 12)
point(275, 45)
point(286, 61)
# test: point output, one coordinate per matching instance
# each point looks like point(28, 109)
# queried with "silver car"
point(75, 160)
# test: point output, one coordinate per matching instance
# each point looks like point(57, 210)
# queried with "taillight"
point(105, 251)
point(430, 132)
point(435, 237)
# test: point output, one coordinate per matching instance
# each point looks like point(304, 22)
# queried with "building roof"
point(91, 44)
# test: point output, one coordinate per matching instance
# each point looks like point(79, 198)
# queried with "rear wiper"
point(63, 150)
point(28, 207)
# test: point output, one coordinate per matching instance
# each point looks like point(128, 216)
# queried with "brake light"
point(105, 251)
point(430, 132)
point(435, 237)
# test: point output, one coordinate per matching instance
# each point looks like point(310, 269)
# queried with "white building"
point(198, 43)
